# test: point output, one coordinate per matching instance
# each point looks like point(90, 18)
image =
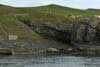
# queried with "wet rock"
point(52, 50)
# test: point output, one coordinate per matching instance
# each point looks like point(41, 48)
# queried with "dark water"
point(48, 61)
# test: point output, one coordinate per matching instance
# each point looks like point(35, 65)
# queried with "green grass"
point(59, 10)
point(49, 9)
point(52, 15)
point(9, 25)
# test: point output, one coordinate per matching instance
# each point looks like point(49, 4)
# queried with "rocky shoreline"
point(46, 47)
point(8, 47)
point(76, 39)
point(70, 51)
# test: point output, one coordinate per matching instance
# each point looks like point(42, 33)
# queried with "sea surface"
point(44, 60)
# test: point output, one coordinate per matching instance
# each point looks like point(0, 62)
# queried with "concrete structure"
point(12, 37)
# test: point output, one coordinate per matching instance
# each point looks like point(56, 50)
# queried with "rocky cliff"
point(80, 31)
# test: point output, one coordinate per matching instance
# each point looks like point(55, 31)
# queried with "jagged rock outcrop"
point(86, 31)
point(81, 31)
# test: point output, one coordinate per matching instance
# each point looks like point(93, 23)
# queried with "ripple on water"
point(49, 61)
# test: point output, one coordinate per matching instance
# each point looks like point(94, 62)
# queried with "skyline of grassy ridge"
point(48, 9)
point(82, 4)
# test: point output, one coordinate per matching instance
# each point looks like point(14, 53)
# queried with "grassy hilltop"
point(49, 14)
point(49, 9)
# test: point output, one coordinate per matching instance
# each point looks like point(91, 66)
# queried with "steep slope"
point(9, 25)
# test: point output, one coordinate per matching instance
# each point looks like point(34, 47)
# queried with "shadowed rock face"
point(89, 31)
point(44, 30)
point(80, 31)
